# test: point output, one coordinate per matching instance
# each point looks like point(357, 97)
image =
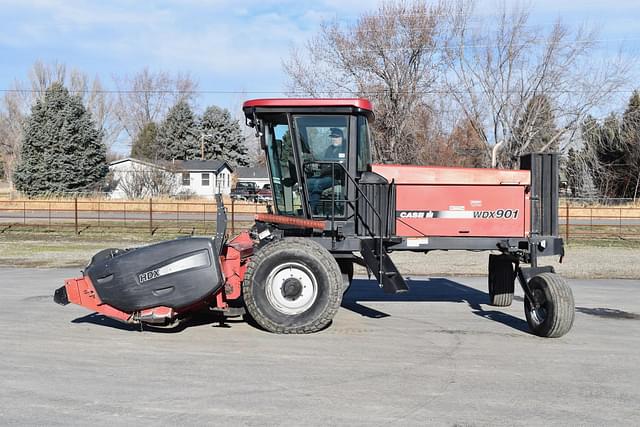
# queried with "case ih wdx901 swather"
point(333, 208)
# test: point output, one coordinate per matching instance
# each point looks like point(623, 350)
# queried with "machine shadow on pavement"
point(198, 319)
point(426, 290)
point(359, 293)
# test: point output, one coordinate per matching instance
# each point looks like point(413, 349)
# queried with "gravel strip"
point(580, 262)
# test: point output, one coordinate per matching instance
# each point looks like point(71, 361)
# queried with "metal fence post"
point(620, 224)
point(75, 210)
point(151, 216)
point(566, 224)
point(233, 217)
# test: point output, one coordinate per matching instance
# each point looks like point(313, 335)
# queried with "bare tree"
point(147, 96)
point(17, 102)
point(390, 56)
point(142, 182)
point(11, 122)
point(95, 98)
point(497, 68)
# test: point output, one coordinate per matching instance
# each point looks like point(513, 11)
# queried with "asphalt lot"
point(435, 356)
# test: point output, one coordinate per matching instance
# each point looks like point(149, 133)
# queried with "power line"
point(323, 92)
point(539, 42)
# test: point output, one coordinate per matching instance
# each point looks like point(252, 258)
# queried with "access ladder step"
point(391, 279)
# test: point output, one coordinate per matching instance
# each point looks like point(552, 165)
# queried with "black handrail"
point(383, 225)
point(384, 230)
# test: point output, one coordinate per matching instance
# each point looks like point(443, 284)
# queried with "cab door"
point(323, 142)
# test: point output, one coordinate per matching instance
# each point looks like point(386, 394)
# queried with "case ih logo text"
point(416, 214)
point(460, 214)
point(148, 275)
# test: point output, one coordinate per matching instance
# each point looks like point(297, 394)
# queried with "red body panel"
point(81, 291)
point(234, 261)
point(402, 174)
point(459, 202)
point(457, 210)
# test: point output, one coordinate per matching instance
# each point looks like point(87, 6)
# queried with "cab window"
point(324, 146)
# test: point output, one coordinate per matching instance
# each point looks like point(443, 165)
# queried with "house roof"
point(184, 165)
point(202, 165)
point(252, 172)
point(142, 162)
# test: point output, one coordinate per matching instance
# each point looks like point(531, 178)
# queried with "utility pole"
point(202, 135)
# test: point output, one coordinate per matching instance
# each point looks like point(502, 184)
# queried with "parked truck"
point(245, 191)
point(334, 208)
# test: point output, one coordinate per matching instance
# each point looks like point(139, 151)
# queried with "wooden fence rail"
point(135, 215)
point(578, 220)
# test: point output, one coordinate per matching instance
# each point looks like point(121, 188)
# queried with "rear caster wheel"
point(553, 313)
point(293, 286)
point(501, 280)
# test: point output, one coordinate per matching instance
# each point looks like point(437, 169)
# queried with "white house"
point(202, 178)
point(259, 176)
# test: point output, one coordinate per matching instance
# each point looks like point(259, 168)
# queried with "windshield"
point(324, 140)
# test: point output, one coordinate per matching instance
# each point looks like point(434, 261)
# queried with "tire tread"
point(335, 286)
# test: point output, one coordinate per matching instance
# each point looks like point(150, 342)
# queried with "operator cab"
point(316, 151)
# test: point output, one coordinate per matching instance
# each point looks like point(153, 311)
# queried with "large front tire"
point(554, 314)
point(293, 286)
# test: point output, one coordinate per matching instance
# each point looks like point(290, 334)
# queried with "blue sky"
point(226, 45)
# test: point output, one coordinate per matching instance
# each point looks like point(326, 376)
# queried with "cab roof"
point(359, 103)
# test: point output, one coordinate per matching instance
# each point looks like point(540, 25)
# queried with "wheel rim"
point(538, 314)
point(291, 288)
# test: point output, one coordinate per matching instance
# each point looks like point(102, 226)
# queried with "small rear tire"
point(502, 276)
point(293, 286)
point(553, 317)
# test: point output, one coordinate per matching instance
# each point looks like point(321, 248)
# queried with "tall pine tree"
point(178, 135)
point(145, 146)
point(223, 138)
point(62, 151)
point(536, 130)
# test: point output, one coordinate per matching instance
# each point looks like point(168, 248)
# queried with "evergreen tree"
point(178, 135)
point(1, 167)
point(223, 138)
point(145, 146)
point(605, 154)
point(62, 150)
point(536, 129)
point(630, 134)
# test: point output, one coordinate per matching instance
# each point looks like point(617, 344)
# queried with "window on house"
point(186, 178)
point(205, 179)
